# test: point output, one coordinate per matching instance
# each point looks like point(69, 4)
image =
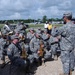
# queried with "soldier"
point(4, 42)
point(26, 46)
point(66, 43)
point(30, 34)
point(26, 54)
point(53, 42)
point(39, 31)
point(21, 28)
point(6, 27)
point(35, 46)
point(14, 51)
point(45, 36)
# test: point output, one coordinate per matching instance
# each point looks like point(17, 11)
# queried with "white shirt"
point(45, 25)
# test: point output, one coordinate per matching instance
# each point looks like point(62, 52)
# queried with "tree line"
point(43, 20)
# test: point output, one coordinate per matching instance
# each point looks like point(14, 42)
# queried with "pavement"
point(49, 68)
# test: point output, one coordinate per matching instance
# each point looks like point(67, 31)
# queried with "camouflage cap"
point(67, 14)
point(6, 22)
point(39, 28)
point(45, 30)
point(22, 22)
point(31, 28)
point(4, 32)
point(14, 37)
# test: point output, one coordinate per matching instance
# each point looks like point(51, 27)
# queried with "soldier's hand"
point(38, 52)
point(48, 35)
point(42, 46)
point(56, 40)
point(58, 37)
point(21, 57)
point(54, 26)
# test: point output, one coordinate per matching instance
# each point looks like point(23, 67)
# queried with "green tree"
point(44, 19)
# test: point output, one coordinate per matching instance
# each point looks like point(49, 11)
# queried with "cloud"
point(23, 9)
point(15, 16)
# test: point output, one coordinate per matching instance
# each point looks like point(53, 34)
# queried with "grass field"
point(42, 25)
point(1, 25)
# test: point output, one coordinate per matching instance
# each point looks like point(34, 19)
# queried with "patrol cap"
point(4, 32)
point(39, 28)
point(38, 32)
point(67, 14)
point(14, 37)
point(6, 22)
point(22, 22)
point(31, 28)
point(45, 30)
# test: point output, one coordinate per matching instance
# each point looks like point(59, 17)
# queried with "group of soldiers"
point(24, 48)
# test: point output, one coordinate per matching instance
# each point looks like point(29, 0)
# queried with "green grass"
point(58, 25)
point(1, 25)
point(42, 25)
point(36, 26)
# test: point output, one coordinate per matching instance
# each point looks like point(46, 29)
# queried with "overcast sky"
point(24, 9)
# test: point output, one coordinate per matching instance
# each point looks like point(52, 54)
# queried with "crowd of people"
point(24, 48)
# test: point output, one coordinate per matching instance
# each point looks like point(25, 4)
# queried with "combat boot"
point(29, 70)
point(70, 72)
point(2, 63)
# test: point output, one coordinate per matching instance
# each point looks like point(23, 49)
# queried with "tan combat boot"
point(70, 72)
point(2, 63)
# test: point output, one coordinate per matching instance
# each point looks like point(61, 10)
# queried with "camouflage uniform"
point(4, 42)
point(45, 38)
point(20, 29)
point(13, 53)
point(53, 42)
point(38, 30)
point(36, 45)
point(66, 44)
point(29, 55)
point(30, 35)
point(2, 49)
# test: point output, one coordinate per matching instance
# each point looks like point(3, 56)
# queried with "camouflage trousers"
point(54, 49)
point(67, 58)
point(18, 62)
point(74, 57)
